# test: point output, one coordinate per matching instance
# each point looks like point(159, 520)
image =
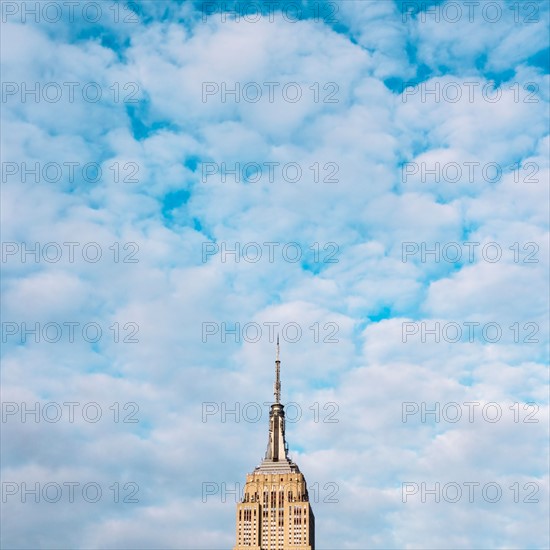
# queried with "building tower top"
point(276, 456)
point(275, 512)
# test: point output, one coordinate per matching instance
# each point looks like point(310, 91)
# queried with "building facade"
point(275, 513)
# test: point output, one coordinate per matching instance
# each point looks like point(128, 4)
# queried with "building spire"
point(277, 450)
point(277, 386)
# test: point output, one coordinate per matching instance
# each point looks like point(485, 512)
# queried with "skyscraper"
point(275, 513)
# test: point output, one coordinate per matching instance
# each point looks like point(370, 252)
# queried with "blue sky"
point(378, 153)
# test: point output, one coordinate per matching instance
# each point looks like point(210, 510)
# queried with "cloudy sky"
point(184, 180)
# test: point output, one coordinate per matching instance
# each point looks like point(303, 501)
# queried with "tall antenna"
point(277, 387)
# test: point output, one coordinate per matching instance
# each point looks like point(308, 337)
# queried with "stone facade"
point(275, 513)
